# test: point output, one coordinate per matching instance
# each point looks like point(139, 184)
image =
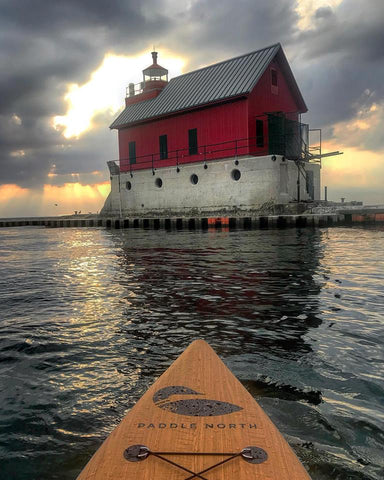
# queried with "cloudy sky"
point(65, 66)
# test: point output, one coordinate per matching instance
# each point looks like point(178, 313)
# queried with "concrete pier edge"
point(201, 222)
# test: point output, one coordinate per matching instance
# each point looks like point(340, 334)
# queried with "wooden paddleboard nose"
point(197, 421)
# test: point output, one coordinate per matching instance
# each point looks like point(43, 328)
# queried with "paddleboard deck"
point(196, 422)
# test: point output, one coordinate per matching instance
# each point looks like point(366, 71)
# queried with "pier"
point(342, 217)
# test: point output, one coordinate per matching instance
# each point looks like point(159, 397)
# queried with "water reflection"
point(248, 292)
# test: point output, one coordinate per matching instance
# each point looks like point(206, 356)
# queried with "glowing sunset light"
point(17, 153)
point(52, 199)
point(16, 120)
point(74, 197)
point(11, 190)
point(361, 124)
point(355, 168)
point(105, 90)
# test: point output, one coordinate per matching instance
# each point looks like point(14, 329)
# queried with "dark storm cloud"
point(43, 46)
point(86, 154)
point(354, 29)
point(324, 12)
point(77, 157)
point(213, 30)
point(69, 15)
point(339, 62)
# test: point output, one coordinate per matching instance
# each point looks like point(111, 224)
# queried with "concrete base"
point(231, 186)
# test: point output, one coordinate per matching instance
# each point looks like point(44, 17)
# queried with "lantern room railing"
point(134, 89)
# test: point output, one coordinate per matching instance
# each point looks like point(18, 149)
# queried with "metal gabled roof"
point(231, 78)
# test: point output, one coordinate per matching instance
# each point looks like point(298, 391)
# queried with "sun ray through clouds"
point(105, 90)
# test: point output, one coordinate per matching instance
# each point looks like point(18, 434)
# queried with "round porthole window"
point(158, 182)
point(128, 185)
point(236, 174)
point(194, 179)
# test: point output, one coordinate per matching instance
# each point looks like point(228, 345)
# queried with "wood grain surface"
point(174, 420)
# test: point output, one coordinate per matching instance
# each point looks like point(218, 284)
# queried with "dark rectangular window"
point(192, 141)
point(132, 152)
point(274, 77)
point(259, 133)
point(163, 145)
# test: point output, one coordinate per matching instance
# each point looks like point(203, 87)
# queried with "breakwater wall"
point(265, 221)
point(344, 217)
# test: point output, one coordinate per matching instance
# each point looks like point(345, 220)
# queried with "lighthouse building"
point(224, 138)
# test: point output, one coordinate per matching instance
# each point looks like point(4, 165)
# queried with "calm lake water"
point(90, 318)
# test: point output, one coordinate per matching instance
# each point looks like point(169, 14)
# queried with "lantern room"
point(155, 72)
point(155, 79)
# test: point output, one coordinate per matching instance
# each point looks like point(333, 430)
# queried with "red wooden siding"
point(215, 125)
point(262, 100)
